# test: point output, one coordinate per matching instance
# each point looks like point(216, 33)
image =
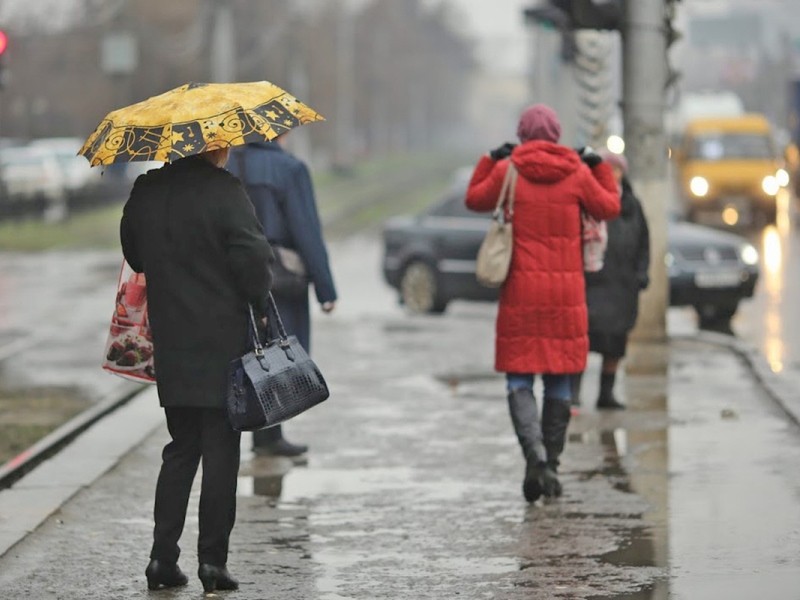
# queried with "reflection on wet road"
point(771, 320)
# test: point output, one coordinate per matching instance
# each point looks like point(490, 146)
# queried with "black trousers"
point(296, 318)
point(197, 434)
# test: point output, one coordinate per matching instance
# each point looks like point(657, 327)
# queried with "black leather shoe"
point(162, 575)
point(609, 403)
point(216, 578)
point(280, 448)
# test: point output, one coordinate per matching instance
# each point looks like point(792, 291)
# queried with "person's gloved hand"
point(589, 156)
point(591, 159)
point(503, 151)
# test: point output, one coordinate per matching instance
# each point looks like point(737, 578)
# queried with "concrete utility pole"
point(223, 44)
point(644, 78)
point(345, 84)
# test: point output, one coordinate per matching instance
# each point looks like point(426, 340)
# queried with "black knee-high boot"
point(525, 418)
point(575, 388)
point(606, 399)
point(555, 420)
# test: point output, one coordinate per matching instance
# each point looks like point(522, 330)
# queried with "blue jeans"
point(556, 387)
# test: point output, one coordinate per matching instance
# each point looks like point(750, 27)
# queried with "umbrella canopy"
point(195, 118)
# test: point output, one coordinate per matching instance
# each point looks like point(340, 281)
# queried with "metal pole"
point(644, 78)
point(345, 84)
point(223, 44)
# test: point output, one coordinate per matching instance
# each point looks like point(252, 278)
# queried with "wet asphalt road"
point(412, 488)
point(55, 310)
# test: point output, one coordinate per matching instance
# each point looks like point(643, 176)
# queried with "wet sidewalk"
point(412, 487)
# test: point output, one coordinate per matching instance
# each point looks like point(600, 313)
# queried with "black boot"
point(270, 442)
point(555, 420)
point(525, 418)
point(575, 389)
point(214, 577)
point(164, 575)
point(606, 399)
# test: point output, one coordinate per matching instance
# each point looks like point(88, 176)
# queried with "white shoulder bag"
point(494, 256)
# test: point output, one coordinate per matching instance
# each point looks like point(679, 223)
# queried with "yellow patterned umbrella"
point(195, 118)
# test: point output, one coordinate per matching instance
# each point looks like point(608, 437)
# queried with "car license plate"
point(717, 279)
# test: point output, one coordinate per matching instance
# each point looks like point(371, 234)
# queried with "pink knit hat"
point(539, 122)
point(615, 160)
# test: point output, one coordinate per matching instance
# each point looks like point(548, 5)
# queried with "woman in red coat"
point(542, 324)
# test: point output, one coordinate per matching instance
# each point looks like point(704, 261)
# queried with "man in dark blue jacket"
point(279, 185)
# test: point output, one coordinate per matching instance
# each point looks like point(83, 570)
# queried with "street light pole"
point(644, 77)
point(223, 44)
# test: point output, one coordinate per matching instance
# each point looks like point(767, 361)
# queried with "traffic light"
point(3, 65)
point(569, 15)
point(597, 14)
point(578, 14)
point(556, 15)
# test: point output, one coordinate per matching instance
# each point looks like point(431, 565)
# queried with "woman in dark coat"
point(190, 228)
point(612, 294)
point(542, 323)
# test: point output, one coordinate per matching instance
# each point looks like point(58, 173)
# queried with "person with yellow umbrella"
point(190, 228)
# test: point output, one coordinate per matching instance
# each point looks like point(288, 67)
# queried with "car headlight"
point(749, 254)
point(669, 259)
point(783, 177)
point(699, 186)
point(770, 185)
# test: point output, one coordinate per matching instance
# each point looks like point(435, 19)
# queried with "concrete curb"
point(40, 493)
point(51, 444)
point(782, 388)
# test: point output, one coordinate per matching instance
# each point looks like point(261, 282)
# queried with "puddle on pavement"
point(615, 447)
point(636, 550)
point(645, 594)
point(404, 327)
point(290, 485)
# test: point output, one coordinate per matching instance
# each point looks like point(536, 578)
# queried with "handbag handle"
point(283, 339)
point(507, 192)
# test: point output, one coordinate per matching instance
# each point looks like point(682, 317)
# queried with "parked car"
point(78, 176)
point(33, 183)
point(430, 260)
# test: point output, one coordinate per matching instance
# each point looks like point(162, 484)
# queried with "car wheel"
point(716, 316)
point(419, 289)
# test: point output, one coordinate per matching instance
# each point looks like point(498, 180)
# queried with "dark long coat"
point(612, 294)
point(542, 324)
point(280, 187)
point(191, 229)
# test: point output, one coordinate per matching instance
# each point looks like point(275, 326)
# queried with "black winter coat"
point(612, 294)
point(191, 229)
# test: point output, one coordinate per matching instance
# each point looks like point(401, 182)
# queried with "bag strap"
point(283, 340)
point(507, 192)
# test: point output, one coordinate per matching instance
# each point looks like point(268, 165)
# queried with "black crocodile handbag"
point(273, 382)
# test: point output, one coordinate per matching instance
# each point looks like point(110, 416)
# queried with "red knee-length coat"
point(542, 322)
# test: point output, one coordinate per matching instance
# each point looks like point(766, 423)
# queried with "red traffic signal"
point(3, 41)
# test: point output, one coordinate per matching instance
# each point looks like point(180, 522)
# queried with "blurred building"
point(749, 47)
point(389, 75)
